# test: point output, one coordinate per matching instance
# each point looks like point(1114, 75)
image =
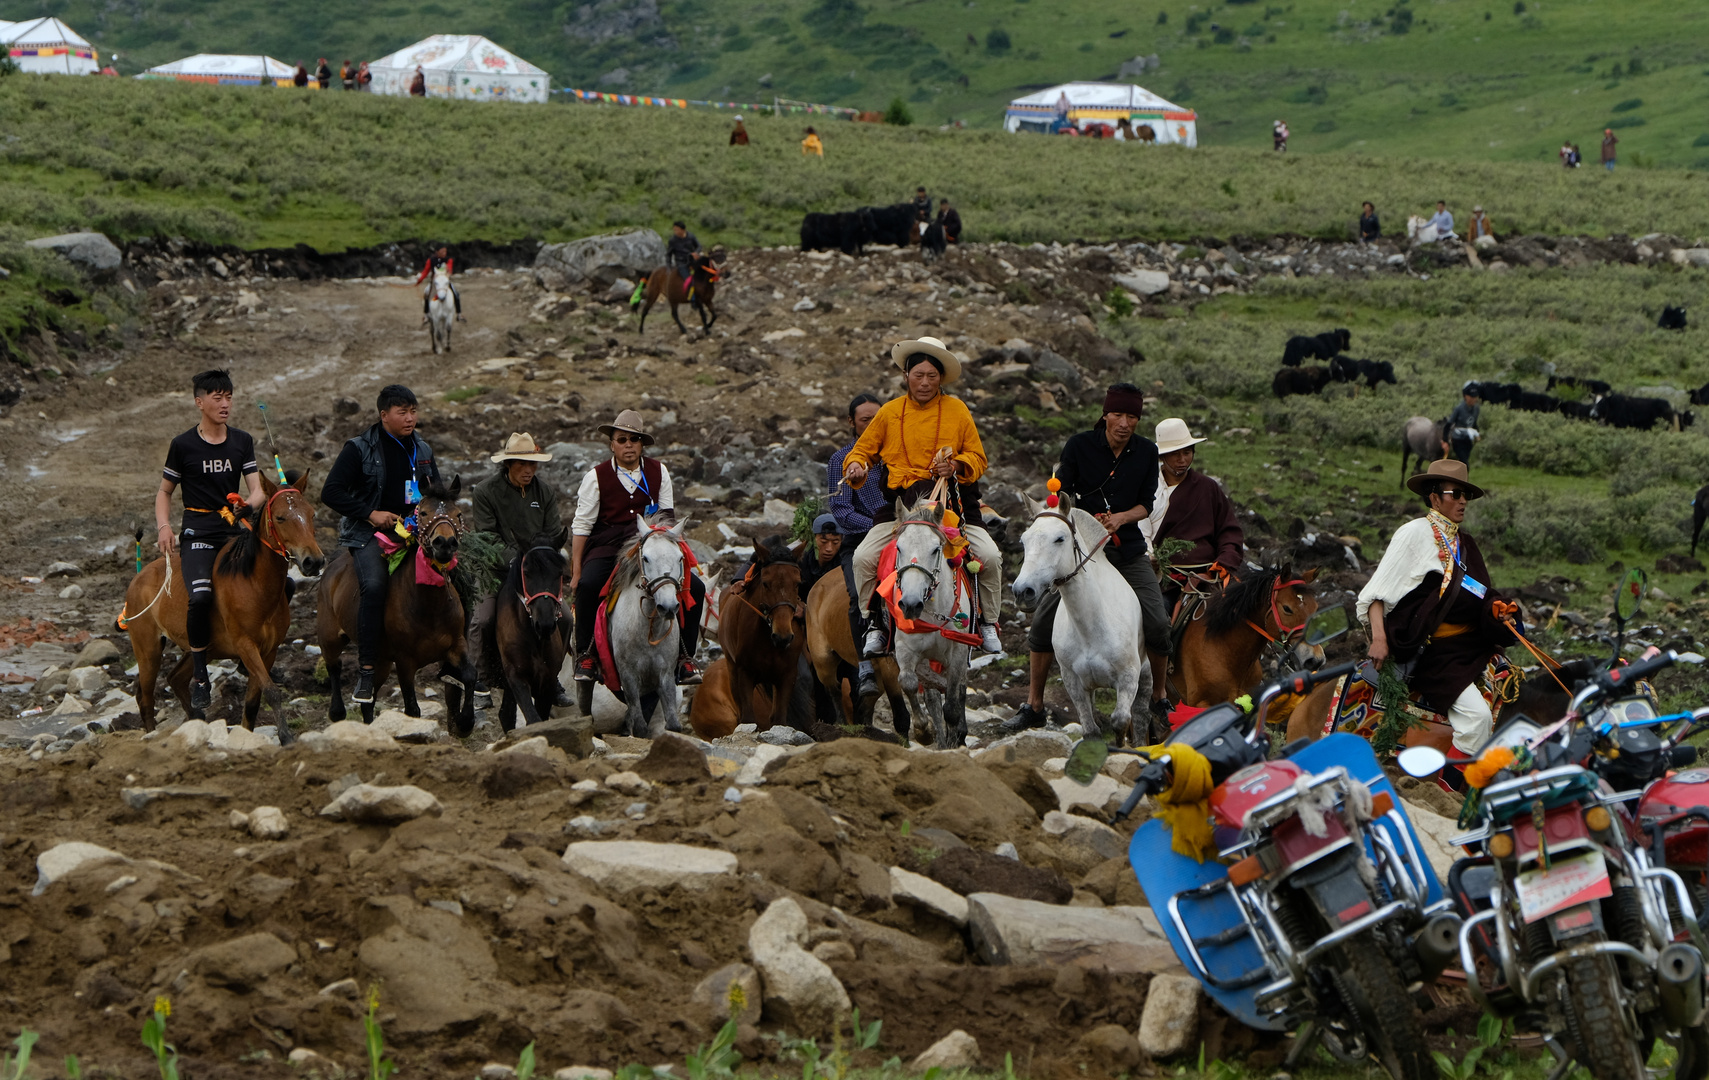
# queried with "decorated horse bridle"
point(424, 532)
point(1287, 632)
point(1074, 538)
point(931, 575)
point(267, 524)
point(525, 596)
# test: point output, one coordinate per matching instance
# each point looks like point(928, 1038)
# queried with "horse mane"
point(772, 549)
point(1240, 601)
point(238, 558)
point(927, 511)
point(628, 569)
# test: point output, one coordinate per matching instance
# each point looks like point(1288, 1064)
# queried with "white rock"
point(1144, 282)
point(61, 859)
point(496, 1070)
point(752, 773)
point(268, 823)
point(581, 1072)
point(356, 733)
point(1170, 1023)
point(307, 1061)
point(63, 569)
point(623, 865)
point(801, 991)
point(922, 891)
point(534, 747)
point(627, 783)
point(344, 988)
point(237, 819)
point(71, 705)
point(780, 335)
point(957, 1050)
point(241, 738)
point(405, 728)
point(804, 305)
point(1434, 831)
point(1083, 830)
point(189, 735)
point(1124, 940)
point(369, 804)
point(71, 592)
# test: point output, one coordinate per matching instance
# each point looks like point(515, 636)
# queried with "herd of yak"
point(1331, 346)
point(851, 230)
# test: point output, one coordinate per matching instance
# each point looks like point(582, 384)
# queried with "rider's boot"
point(1160, 720)
point(201, 691)
point(587, 669)
point(364, 692)
point(687, 671)
point(878, 631)
point(563, 700)
point(866, 681)
point(1026, 717)
point(988, 638)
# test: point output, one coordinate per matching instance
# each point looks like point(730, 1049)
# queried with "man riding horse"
point(680, 251)
point(855, 510)
point(374, 485)
point(1431, 608)
point(1110, 472)
point(210, 461)
point(440, 258)
point(516, 506)
point(612, 494)
point(922, 437)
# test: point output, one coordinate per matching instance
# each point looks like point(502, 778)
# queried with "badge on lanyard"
point(652, 508)
point(412, 492)
point(1474, 586)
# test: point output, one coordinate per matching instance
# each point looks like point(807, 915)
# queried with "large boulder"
point(90, 250)
point(368, 804)
point(1123, 940)
point(599, 260)
point(1144, 282)
point(801, 991)
point(623, 865)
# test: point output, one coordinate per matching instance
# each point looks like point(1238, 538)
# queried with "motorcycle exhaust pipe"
point(1679, 979)
point(1437, 945)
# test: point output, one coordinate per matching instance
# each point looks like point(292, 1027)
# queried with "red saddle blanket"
point(887, 589)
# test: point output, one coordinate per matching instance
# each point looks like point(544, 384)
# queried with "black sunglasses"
point(1452, 493)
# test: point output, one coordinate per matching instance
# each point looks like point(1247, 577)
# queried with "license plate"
point(1568, 882)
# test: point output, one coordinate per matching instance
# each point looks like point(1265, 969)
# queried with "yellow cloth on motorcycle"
point(1186, 806)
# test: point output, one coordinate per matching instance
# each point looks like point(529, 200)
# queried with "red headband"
point(1124, 401)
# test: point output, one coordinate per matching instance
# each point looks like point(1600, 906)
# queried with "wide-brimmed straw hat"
point(1450, 470)
point(931, 346)
point(521, 447)
point(628, 420)
point(1173, 434)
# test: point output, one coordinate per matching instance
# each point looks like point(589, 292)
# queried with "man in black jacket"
point(1111, 473)
point(375, 483)
point(950, 221)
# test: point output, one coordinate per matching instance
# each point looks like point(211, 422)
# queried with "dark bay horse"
point(1221, 650)
point(666, 282)
point(530, 632)
point(424, 622)
point(763, 631)
point(252, 605)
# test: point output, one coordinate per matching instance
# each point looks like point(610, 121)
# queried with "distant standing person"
point(364, 77)
point(347, 76)
point(1279, 136)
point(811, 144)
point(1460, 430)
point(301, 79)
point(1369, 227)
point(1576, 158)
point(950, 220)
point(418, 85)
point(922, 205)
point(1608, 141)
point(739, 136)
point(1566, 155)
point(323, 74)
point(1443, 221)
point(1479, 231)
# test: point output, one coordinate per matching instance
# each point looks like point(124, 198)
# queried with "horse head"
point(661, 561)
point(439, 521)
point(1053, 545)
point(1274, 602)
point(921, 565)
point(441, 283)
point(287, 522)
point(541, 584)
point(773, 587)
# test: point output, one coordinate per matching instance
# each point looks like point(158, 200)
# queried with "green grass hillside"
point(1449, 79)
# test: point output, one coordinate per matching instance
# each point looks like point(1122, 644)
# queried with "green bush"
point(1628, 105)
point(997, 41)
point(897, 115)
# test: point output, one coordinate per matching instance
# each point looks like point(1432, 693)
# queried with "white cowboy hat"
point(521, 447)
point(738, 119)
point(1173, 434)
point(628, 420)
point(931, 346)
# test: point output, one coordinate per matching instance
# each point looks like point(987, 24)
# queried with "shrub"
point(1628, 105)
point(898, 114)
point(997, 41)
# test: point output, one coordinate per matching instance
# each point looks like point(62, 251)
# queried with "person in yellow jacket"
point(910, 436)
point(811, 144)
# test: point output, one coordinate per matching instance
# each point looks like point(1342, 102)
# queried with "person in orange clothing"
point(811, 144)
point(908, 435)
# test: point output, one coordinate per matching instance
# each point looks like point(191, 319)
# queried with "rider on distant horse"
point(439, 258)
point(680, 251)
point(516, 506)
point(207, 461)
point(1429, 606)
point(855, 511)
point(1110, 472)
point(612, 495)
point(907, 435)
point(375, 484)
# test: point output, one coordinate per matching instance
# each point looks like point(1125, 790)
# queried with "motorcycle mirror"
point(1421, 761)
point(1327, 625)
point(1085, 760)
point(1630, 599)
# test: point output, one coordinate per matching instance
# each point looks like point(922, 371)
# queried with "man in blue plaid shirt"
point(854, 510)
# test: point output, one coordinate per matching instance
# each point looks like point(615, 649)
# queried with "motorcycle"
point(1320, 913)
point(1586, 934)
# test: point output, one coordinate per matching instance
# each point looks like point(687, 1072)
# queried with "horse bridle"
point(277, 548)
point(932, 575)
point(424, 533)
point(1287, 632)
point(1074, 537)
point(525, 597)
point(798, 610)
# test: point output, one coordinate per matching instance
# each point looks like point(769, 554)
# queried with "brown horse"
point(829, 640)
point(252, 605)
point(763, 631)
point(530, 632)
point(666, 282)
point(424, 623)
point(1222, 647)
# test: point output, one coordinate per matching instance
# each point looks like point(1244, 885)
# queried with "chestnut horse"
point(763, 631)
point(830, 640)
point(252, 605)
point(424, 622)
point(530, 632)
point(666, 282)
point(1222, 647)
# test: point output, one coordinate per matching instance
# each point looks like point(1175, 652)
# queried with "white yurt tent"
point(47, 46)
point(223, 68)
point(463, 66)
point(1082, 103)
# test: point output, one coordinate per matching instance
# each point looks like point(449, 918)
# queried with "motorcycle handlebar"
point(1299, 682)
point(1150, 779)
point(1615, 680)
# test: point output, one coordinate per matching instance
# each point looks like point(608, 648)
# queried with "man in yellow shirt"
point(921, 436)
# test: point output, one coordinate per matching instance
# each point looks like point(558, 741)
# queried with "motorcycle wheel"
point(1693, 1048)
point(1376, 994)
point(1604, 1047)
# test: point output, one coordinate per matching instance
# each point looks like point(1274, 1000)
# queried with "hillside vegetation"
point(1463, 79)
point(279, 167)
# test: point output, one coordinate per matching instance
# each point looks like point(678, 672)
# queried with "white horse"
point(1097, 632)
point(929, 592)
point(1420, 231)
point(643, 627)
point(441, 310)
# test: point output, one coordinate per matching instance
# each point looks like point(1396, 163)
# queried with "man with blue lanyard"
point(375, 483)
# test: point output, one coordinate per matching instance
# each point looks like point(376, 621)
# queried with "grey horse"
point(1421, 438)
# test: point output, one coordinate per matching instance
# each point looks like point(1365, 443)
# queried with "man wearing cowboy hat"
point(1111, 473)
point(921, 437)
point(1429, 606)
point(612, 495)
point(517, 507)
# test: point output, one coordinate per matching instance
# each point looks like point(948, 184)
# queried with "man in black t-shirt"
point(376, 482)
point(208, 462)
